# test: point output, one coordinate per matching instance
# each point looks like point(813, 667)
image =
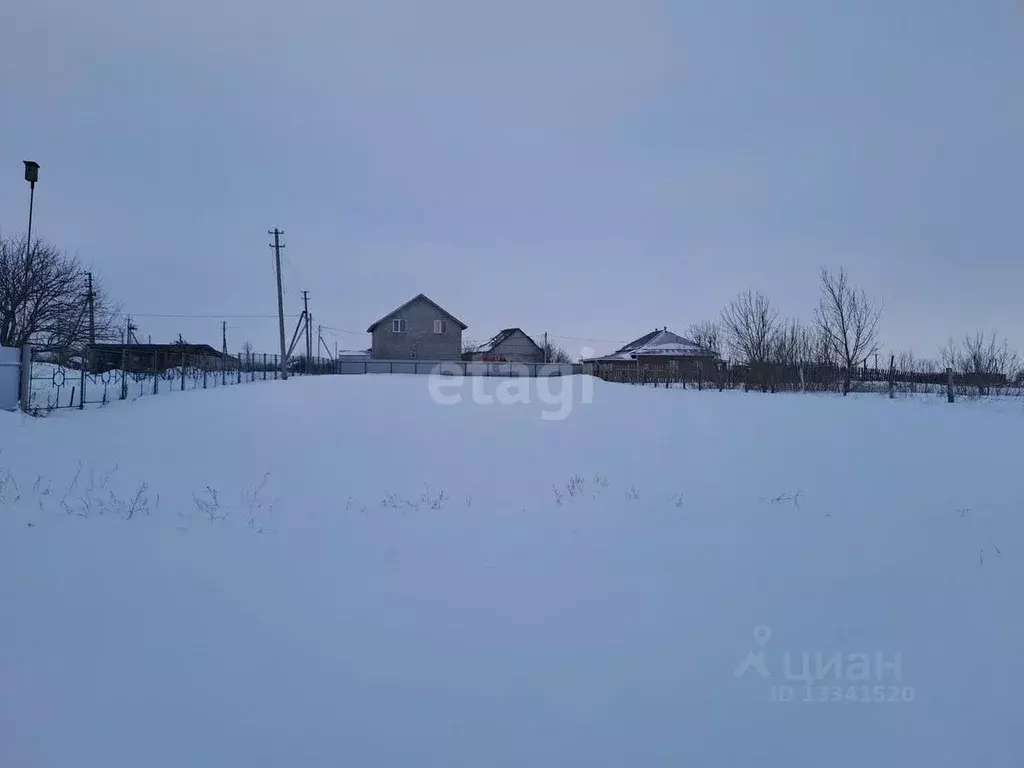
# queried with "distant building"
point(511, 345)
point(146, 358)
point(659, 350)
point(353, 355)
point(418, 330)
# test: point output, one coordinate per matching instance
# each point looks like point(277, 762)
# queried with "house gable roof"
point(636, 344)
point(413, 300)
point(505, 335)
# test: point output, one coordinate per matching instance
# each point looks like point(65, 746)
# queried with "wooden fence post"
point(949, 385)
point(124, 373)
point(156, 374)
point(183, 363)
point(892, 377)
point(81, 395)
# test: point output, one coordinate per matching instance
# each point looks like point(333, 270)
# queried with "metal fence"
point(815, 378)
point(59, 379)
point(458, 368)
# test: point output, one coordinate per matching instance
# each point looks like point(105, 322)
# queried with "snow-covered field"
point(344, 571)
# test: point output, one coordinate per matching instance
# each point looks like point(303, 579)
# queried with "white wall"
point(10, 376)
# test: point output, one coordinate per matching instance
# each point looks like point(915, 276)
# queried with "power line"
point(337, 330)
point(581, 338)
point(211, 316)
point(550, 335)
point(288, 263)
point(344, 330)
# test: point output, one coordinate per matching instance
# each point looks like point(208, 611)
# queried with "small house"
point(148, 358)
point(511, 345)
point(658, 353)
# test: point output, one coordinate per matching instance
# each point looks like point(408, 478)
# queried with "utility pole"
point(224, 349)
point(309, 330)
point(126, 336)
point(280, 298)
point(92, 312)
point(87, 357)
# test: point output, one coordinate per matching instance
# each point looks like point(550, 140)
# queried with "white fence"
point(457, 368)
point(10, 378)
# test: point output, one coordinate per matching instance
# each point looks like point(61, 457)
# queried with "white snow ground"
point(331, 607)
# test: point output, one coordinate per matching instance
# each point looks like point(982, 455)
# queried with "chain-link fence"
point(106, 373)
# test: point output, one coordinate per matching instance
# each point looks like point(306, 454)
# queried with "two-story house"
point(417, 330)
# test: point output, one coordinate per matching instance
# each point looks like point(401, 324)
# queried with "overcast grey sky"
point(593, 169)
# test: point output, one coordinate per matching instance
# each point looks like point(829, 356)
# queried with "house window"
point(440, 326)
point(398, 325)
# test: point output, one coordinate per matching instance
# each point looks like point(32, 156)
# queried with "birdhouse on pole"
point(31, 171)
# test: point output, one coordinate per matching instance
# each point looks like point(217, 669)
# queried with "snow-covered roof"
point(503, 336)
point(659, 343)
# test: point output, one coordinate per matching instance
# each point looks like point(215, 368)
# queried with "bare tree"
point(554, 353)
point(470, 347)
point(848, 321)
point(906, 361)
point(44, 298)
point(247, 352)
point(790, 344)
point(749, 324)
point(982, 360)
point(707, 335)
point(815, 347)
point(914, 373)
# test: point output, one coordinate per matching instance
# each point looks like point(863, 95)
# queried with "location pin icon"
point(762, 634)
